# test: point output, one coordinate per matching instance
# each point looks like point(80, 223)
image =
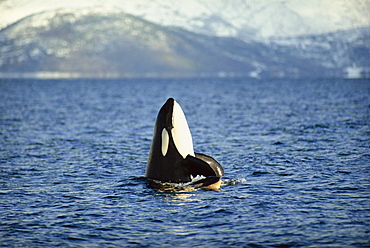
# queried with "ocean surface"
point(296, 155)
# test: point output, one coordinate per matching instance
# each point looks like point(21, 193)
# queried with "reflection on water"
point(179, 230)
point(176, 194)
point(178, 197)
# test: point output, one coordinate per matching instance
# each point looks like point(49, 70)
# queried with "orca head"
point(173, 127)
point(172, 143)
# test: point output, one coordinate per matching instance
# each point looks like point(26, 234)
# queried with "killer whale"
point(172, 158)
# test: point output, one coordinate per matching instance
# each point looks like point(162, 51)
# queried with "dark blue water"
point(296, 156)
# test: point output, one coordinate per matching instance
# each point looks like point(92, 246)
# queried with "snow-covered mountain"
point(99, 41)
point(259, 38)
point(245, 19)
point(108, 42)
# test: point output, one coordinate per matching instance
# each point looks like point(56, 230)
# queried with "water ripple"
point(296, 158)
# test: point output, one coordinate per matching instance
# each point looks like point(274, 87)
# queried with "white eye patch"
point(165, 142)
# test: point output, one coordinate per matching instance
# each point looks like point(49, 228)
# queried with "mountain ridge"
point(95, 41)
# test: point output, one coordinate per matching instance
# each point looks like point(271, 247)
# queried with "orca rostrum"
point(172, 158)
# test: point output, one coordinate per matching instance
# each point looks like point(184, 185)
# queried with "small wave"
point(132, 181)
point(170, 187)
point(189, 186)
point(229, 182)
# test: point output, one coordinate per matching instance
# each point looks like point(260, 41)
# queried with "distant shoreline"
point(113, 75)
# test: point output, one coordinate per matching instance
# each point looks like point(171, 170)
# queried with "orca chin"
point(172, 158)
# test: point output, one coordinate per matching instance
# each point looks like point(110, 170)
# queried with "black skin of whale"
point(173, 167)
